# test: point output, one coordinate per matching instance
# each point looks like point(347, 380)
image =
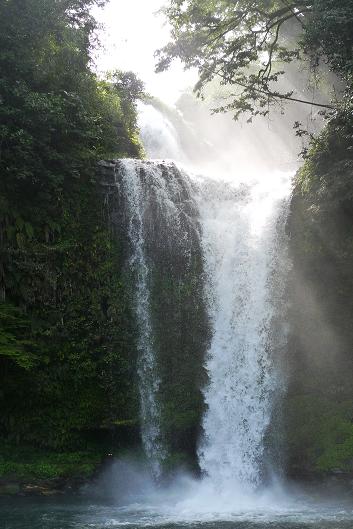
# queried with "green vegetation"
point(321, 294)
point(248, 45)
point(319, 405)
point(178, 305)
point(67, 350)
point(321, 434)
point(25, 463)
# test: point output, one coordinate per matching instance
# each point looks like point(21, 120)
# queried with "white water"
point(148, 379)
point(158, 135)
point(187, 502)
point(245, 256)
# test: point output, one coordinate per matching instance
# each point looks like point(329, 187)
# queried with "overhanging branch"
point(273, 95)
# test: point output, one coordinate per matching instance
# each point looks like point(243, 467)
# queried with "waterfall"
point(245, 259)
point(164, 238)
point(158, 135)
point(148, 379)
point(237, 231)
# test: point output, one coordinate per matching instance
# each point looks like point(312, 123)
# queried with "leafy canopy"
point(245, 43)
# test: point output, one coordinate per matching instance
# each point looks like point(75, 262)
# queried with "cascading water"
point(158, 135)
point(244, 249)
point(163, 234)
point(148, 378)
point(239, 230)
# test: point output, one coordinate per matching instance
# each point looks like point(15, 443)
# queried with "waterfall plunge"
point(241, 234)
point(245, 257)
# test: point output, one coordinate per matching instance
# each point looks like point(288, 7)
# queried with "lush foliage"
point(66, 332)
point(321, 287)
point(57, 119)
point(25, 462)
point(329, 34)
point(323, 441)
point(246, 44)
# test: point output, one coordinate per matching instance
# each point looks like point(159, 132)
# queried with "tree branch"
point(274, 95)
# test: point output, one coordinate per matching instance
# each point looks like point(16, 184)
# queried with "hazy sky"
point(132, 32)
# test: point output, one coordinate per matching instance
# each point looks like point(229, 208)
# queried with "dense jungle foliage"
point(320, 399)
point(66, 333)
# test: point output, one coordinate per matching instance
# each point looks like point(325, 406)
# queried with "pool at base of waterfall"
point(176, 510)
point(42, 514)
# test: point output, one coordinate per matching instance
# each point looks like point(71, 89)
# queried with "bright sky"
point(133, 31)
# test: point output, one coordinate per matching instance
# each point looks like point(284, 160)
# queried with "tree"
point(64, 319)
point(245, 43)
point(329, 35)
point(56, 118)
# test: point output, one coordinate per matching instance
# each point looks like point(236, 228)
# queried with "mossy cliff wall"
point(319, 403)
point(67, 334)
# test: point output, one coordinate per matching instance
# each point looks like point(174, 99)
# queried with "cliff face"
point(67, 336)
point(319, 404)
point(66, 333)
